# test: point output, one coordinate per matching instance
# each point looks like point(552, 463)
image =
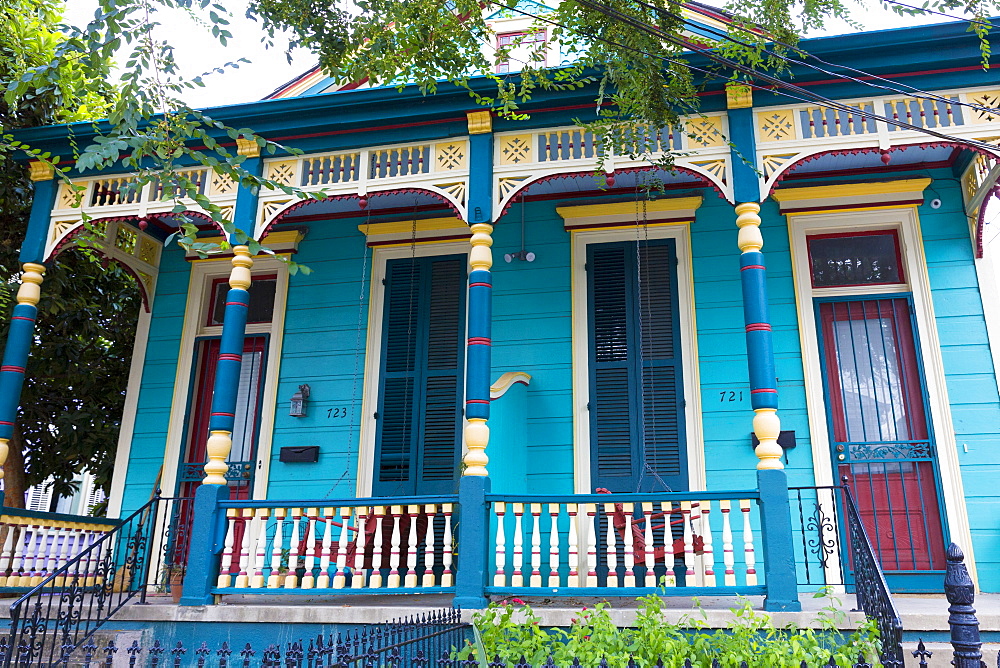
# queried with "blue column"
point(776, 518)
point(22, 323)
point(227, 372)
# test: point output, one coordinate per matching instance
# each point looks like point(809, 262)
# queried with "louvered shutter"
point(635, 381)
point(419, 423)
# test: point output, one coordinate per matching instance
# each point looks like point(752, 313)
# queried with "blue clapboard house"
point(527, 364)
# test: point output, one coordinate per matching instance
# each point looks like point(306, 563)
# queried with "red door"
point(879, 429)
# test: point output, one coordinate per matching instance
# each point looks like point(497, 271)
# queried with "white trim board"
point(373, 347)
point(906, 222)
point(681, 234)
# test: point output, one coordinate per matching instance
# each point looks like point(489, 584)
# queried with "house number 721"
point(731, 395)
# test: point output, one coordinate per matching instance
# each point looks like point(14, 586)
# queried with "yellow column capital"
point(242, 262)
point(748, 220)
point(219, 444)
point(767, 427)
point(480, 122)
point(481, 257)
point(30, 291)
point(40, 171)
point(247, 147)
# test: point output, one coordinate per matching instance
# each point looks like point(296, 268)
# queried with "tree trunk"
point(13, 473)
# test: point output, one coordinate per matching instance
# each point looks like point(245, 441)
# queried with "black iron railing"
point(871, 589)
point(815, 530)
point(58, 615)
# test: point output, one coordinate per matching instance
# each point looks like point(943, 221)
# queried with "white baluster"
point(591, 535)
point(358, 577)
point(375, 582)
point(326, 547)
point(447, 578)
point(554, 545)
point(17, 571)
point(393, 583)
point(697, 532)
point(611, 548)
point(260, 552)
point(748, 549)
point(709, 551)
point(7, 553)
point(500, 576)
point(340, 577)
point(728, 558)
point(574, 547)
point(430, 511)
point(65, 552)
point(37, 553)
point(689, 579)
point(312, 526)
point(517, 578)
point(410, 581)
point(247, 548)
point(648, 549)
point(629, 546)
point(226, 564)
point(667, 510)
point(536, 546)
point(277, 547)
point(291, 578)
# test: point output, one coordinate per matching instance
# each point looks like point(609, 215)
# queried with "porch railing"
point(76, 597)
point(399, 545)
point(36, 544)
point(625, 544)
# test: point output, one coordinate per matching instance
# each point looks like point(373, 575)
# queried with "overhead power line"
point(787, 88)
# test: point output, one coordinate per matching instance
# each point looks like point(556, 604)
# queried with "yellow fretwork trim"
point(629, 208)
point(407, 226)
point(851, 190)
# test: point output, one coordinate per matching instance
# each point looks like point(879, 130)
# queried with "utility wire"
point(906, 89)
point(925, 10)
point(774, 81)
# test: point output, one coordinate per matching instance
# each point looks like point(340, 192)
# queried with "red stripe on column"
point(479, 341)
point(758, 327)
point(6, 424)
point(21, 317)
point(224, 414)
point(480, 285)
point(230, 357)
point(12, 368)
point(477, 401)
point(763, 390)
point(752, 266)
point(237, 304)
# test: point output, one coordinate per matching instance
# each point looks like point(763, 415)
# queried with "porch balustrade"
point(624, 544)
point(358, 546)
point(33, 544)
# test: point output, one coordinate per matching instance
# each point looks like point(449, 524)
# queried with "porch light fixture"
point(298, 407)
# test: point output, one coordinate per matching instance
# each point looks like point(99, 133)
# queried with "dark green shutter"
point(418, 436)
point(636, 410)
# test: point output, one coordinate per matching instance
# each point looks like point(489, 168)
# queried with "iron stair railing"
point(66, 608)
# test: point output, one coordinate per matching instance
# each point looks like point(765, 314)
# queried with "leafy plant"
point(512, 630)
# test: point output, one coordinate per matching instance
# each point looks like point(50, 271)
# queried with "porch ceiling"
point(620, 183)
point(848, 162)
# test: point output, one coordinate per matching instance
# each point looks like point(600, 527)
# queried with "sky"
point(197, 51)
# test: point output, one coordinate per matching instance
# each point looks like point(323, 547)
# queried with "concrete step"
point(122, 639)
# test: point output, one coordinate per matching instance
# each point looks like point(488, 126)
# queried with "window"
point(419, 416)
point(521, 47)
point(261, 300)
point(636, 411)
point(857, 258)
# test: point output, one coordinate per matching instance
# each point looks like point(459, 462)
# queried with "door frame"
point(905, 220)
point(199, 296)
point(373, 348)
point(680, 232)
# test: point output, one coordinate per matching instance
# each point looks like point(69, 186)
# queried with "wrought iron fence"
point(815, 530)
point(74, 600)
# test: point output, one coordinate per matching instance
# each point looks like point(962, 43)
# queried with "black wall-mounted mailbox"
point(786, 439)
point(301, 453)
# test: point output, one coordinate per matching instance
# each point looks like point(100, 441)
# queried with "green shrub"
point(511, 630)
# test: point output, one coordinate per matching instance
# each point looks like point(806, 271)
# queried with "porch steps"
point(123, 638)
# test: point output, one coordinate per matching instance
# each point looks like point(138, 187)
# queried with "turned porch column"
point(22, 323)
